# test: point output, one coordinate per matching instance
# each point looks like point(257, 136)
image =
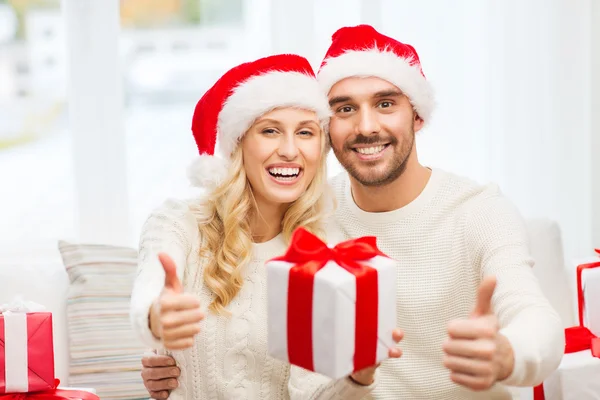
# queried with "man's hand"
point(160, 375)
point(175, 316)
point(366, 376)
point(477, 355)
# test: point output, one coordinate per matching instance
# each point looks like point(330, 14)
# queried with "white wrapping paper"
point(333, 318)
point(15, 350)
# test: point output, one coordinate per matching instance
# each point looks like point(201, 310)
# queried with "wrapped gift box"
point(590, 303)
point(55, 393)
point(331, 310)
point(26, 349)
point(577, 377)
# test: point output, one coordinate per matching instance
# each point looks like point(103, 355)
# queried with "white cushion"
point(35, 272)
point(547, 250)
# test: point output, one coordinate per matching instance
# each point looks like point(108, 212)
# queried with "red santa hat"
point(361, 51)
point(238, 98)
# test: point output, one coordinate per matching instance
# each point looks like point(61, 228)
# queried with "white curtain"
point(514, 88)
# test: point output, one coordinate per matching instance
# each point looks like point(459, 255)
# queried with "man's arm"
point(531, 331)
point(160, 375)
point(305, 385)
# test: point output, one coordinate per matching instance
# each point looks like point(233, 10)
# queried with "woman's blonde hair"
point(223, 216)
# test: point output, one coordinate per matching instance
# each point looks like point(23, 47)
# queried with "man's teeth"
point(284, 171)
point(370, 150)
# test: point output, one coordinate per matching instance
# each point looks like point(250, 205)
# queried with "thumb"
point(483, 305)
point(171, 280)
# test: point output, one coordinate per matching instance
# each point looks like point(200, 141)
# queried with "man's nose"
point(368, 122)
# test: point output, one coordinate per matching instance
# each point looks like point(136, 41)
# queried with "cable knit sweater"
point(229, 359)
point(448, 238)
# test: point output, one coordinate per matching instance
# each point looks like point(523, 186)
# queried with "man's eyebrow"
point(338, 99)
point(380, 94)
point(388, 93)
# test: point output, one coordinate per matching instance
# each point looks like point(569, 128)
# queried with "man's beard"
point(396, 167)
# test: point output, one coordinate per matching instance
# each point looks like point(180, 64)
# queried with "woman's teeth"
point(286, 174)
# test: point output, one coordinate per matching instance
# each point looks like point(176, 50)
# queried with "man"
point(474, 318)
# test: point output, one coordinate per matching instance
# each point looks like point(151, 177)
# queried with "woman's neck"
point(265, 221)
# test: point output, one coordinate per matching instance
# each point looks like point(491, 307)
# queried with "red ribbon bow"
point(52, 394)
point(577, 338)
point(310, 254)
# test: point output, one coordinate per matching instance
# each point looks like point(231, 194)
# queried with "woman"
point(201, 288)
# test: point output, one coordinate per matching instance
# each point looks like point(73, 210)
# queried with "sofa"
point(36, 271)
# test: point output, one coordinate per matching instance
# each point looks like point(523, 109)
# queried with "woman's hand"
point(175, 316)
point(366, 376)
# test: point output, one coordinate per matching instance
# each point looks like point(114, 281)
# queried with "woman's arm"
point(170, 229)
point(305, 385)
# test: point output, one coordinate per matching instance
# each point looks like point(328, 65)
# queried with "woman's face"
point(282, 153)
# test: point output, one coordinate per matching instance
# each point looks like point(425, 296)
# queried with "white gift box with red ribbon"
point(577, 377)
point(331, 310)
point(590, 303)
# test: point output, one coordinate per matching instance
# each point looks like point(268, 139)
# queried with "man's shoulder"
point(480, 204)
point(466, 193)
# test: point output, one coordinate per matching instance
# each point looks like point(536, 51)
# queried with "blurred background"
point(96, 100)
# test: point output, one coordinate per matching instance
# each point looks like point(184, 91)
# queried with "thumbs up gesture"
point(175, 315)
point(476, 354)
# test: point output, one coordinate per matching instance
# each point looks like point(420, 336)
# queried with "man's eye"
point(345, 109)
point(385, 104)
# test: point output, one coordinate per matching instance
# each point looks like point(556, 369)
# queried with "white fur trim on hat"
point(207, 171)
point(263, 93)
point(386, 65)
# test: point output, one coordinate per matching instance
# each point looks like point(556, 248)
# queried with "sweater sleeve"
point(305, 385)
point(170, 229)
point(497, 240)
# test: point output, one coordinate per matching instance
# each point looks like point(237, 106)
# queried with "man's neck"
point(394, 195)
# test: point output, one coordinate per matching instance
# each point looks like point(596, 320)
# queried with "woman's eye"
point(269, 131)
point(305, 133)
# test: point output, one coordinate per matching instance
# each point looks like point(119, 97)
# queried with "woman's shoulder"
point(177, 216)
point(175, 209)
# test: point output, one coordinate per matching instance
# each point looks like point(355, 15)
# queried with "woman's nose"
point(287, 148)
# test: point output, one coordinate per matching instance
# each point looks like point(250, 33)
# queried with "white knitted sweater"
point(445, 241)
point(454, 233)
point(229, 359)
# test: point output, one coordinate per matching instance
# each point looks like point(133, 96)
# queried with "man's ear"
point(418, 122)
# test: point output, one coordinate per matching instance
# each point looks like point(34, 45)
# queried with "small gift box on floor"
point(26, 348)
point(331, 310)
point(27, 355)
point(577, 377)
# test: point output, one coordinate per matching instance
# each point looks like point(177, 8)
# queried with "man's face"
point(372, 130)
